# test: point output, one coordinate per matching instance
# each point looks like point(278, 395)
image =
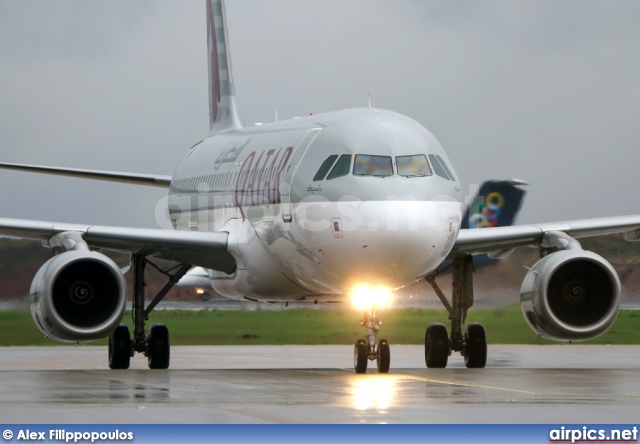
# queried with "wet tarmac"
point(316, 384)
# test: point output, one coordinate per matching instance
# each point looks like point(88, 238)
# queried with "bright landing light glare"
point(364, 297)
point(377, 392)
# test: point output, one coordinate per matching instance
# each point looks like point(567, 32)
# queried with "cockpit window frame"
point(426, 163)
point(326, 166)
point(389, 168)
point(338, 169)
point(446, 167)
point(437, 167)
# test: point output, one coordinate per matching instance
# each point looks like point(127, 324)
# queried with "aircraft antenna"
point(276, 113)
point(369, 93)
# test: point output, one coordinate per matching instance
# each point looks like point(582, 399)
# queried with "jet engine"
point(78, 295)
point(571, 295)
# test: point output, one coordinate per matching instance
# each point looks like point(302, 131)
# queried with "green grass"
point(504, 326)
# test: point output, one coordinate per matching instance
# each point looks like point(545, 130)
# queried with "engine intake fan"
point(571, 295)
point(78, 296)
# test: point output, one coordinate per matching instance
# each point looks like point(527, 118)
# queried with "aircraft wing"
point(110, 176)
point(208, 250)
point(500, 239)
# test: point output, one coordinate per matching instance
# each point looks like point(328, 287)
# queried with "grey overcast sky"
point(543, 90)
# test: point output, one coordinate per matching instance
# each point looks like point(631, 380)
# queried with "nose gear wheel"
point(367, 349)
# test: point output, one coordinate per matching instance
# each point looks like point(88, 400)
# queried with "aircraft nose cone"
point(385, 242)
point(400, 240)
point(398, 214)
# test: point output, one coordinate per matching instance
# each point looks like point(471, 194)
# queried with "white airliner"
point(351, 204)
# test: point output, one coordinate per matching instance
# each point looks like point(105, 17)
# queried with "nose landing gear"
point(367, 350)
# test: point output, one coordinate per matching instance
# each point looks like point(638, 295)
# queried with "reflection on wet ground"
point(566, 384)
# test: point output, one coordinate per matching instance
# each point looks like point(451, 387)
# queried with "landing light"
point(364, 297)
point(200, 291)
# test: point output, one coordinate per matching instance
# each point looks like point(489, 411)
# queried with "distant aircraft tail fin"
point(497, 204)
point(223, 115)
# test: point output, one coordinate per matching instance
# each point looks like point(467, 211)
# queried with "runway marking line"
point(463, 384)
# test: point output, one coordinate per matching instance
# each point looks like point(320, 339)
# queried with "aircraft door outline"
point(292, 168)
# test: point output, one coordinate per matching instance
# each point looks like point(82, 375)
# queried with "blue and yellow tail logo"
point(487, 214)
point(497, 205)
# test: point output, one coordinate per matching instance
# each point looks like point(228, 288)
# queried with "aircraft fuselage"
point(298, 230)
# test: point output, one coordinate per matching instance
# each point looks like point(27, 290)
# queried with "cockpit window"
point(342, 167)
point(446, 168)
point(437, 167)
point(378, 166)
point(325, 167)
point(413, 166)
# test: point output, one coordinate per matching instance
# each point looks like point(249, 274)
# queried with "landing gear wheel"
point(436, 346)
point(360, 356)
point(475, 349)
point(158, 347)
point(384, 356)
point(120, 348)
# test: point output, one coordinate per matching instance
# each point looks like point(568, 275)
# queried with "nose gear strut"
point(367, 350)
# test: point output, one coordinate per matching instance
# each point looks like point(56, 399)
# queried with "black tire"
point(475, 346)
point(436, 346)
point(158, 347)
point(384, 356)
point(120, 348)
point(360, 356)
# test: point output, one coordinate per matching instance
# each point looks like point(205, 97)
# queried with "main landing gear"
point(155, 346)
point(366, 349)
point(438, 346)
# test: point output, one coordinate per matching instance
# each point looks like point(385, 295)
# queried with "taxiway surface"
point(316, 384)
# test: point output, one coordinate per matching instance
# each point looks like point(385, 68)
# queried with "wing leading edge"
point(109, 176)
point(208, 250)
point(501, 239)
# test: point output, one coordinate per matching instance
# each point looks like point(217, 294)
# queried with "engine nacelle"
point(571, 295)
point(78, 296)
